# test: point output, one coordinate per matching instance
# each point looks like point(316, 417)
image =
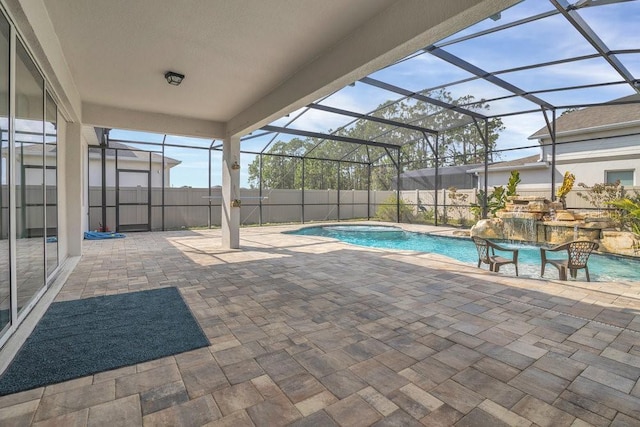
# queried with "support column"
point(73, 175)
point(230, 193)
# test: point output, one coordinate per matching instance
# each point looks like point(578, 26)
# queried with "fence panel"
point(189, 207)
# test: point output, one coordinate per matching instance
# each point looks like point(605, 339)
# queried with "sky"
point(544, 40)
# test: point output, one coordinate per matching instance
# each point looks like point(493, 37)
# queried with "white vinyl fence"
point(195, 207)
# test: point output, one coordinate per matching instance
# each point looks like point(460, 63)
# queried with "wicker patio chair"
point(487, 254)
point(578, 253)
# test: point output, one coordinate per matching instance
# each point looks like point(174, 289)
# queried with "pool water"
point(601, 267)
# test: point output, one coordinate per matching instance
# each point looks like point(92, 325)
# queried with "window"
point(625, 177)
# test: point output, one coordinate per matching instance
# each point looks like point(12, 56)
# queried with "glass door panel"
point(51, 182)
point(5, 290)
point(29, 176)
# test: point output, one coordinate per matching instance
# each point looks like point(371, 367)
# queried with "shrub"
point(497, 199)
point(628, 213)
point(388, 210)
point(601, 195)
point(458, 205)
point(567, 185)
point(512, 185)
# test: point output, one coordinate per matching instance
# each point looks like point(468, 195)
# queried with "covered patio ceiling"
point(246, 62)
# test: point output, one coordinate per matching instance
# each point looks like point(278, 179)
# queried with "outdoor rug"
point(87, 336)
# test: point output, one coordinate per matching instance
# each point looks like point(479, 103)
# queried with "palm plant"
point(629, 211)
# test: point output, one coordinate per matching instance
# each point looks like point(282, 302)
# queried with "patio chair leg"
point(586, 270)
point(542, 270)
point(563, 273)
point(516, 269)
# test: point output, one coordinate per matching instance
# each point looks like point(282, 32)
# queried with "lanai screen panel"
point(255, 142)
point(621, 36)
point(632, 62)
point(412, 72)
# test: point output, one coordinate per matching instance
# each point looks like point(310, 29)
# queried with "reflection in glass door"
point(29, 178)
point(51, 180)
point(5, 284)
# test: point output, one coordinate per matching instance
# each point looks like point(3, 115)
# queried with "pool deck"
point(309, 331)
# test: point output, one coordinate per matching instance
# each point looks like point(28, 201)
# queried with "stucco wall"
point(589, 159)
point(127, 179)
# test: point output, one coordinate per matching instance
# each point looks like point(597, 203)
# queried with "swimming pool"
point(602, 268)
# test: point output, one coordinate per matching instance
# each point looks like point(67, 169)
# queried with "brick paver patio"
point(310, 332)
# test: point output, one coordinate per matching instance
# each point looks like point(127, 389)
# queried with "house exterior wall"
point(595, 153)
point(126, 179)
point(529, 178)
point(589, 155)
point(591, 173)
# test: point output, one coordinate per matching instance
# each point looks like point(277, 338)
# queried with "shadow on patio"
point(309, 331)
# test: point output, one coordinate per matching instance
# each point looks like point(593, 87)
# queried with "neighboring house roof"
point(529, 162)
point(449, 176)
point(442, 171)
point(36, 149)
point(125, 151)
point(598, 117)
point(128, 152)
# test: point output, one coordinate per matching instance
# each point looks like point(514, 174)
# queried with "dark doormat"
point(87, 336)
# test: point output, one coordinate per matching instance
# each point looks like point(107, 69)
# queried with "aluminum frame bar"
point(485, 75)
point(370, 118)
point(319, 135)
point(574, 18)
point(420, 97)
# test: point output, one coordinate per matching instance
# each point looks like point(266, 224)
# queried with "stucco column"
point(73, 188)
point(230, 193)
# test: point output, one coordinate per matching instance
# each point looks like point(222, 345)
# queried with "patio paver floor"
point(308, 331)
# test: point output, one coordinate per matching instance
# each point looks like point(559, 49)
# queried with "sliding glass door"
point(51, 180)
point(29, 178)
point(29, 229)
point(5, 159)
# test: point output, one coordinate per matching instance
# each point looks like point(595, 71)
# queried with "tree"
point(349, 170)
point(279, 171)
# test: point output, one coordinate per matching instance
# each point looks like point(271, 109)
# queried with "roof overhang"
point(246, 63)
point(526, 166)
point(589, 130)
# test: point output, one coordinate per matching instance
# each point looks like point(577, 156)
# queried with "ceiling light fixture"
point(173, 78)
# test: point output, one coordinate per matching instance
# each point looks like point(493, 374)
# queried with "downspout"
point(551, 127)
